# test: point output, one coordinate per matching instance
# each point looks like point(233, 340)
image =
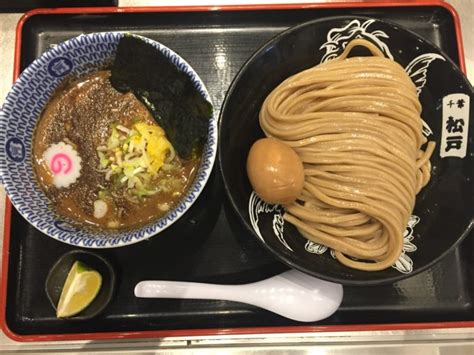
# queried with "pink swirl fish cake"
point(64, 163)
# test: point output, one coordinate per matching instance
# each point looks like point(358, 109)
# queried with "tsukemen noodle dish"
point(119, 147)
point(345, 155)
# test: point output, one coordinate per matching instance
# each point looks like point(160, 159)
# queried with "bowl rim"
point(280, 256)
point(136, 234)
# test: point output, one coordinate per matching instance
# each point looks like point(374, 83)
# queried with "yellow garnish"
point(157, 150)
point(135, 154)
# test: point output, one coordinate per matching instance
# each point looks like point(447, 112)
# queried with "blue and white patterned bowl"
point(18, 118)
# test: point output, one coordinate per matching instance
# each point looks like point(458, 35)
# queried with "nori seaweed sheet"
point(168, 93)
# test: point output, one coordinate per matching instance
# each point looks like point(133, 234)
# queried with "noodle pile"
point(355, 123)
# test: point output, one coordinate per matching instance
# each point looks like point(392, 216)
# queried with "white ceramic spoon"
point(291, 294)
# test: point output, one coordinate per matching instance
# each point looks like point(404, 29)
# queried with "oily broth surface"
point(81, 113)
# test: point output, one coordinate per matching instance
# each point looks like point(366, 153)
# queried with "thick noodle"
point(355, 123)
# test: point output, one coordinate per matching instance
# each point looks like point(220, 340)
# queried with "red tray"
point(28, 256)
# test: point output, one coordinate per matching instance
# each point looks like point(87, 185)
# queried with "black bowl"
point(58, 274)
point(444, 209)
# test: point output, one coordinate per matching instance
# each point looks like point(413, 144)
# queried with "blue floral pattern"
point(18, 117)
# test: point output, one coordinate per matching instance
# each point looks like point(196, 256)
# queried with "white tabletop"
point(426, 342)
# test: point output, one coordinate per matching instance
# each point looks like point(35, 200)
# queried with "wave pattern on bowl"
point(18, 116)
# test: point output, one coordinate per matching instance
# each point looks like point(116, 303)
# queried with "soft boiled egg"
point(275, 171)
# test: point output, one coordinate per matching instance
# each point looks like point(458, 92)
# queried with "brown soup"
point(111, 132)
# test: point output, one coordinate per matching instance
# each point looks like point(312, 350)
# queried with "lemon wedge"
point(81, 287)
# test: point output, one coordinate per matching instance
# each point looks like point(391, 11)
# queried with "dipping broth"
point(102, 160)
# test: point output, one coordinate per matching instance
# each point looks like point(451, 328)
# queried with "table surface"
point(413, 342)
